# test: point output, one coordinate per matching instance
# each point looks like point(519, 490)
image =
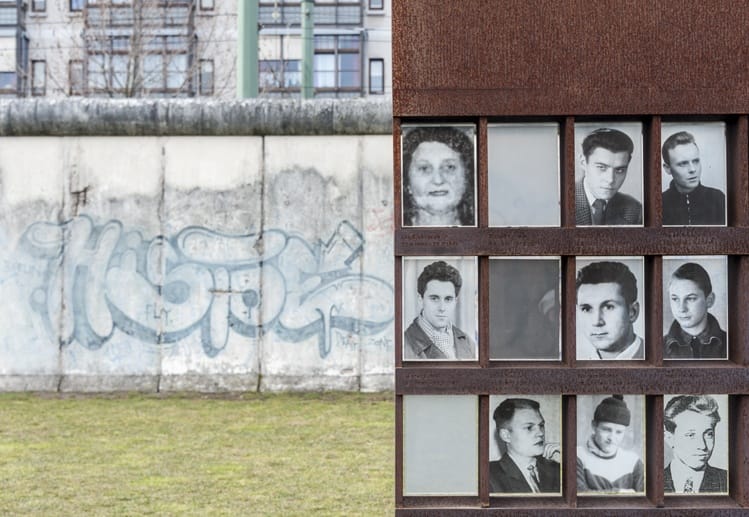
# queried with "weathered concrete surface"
point(194, 117)
point(205, 263)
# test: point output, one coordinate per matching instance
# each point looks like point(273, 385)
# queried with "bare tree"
point(139, 47)
point(131, 48)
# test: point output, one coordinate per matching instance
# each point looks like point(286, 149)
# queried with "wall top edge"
point(194, 117)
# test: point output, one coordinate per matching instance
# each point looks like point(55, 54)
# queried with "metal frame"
point(435, 79)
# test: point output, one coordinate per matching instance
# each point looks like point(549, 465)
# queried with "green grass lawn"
point(289, 454)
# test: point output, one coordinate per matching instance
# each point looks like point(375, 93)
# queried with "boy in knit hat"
point(602, 466)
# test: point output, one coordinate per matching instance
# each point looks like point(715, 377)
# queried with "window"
point(376, 76)
point(206, 5)
point(349, 75)
point(8, 15)
point(153, 66)
point(163, 66)
point(119, 70)
point(324, 71)
point(205, 84)
point(337, 63)
point(77, 5)
point(97, 72)
point(75, 77)
point(176, 71)
point(376, 5)
point(7, 82)
point(38, 6)
point(280, 74)
point(38, 77)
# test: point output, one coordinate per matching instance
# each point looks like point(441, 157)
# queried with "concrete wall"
point(165, 246)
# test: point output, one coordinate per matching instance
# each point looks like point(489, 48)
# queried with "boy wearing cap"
point(602, 466)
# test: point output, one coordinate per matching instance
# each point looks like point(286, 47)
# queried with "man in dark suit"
point(432, 334)
point(605, 160)
point(528, 464)
point(689, 422)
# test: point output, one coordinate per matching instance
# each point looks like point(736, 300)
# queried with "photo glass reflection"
point(524, 308)
point(440, 445)
point(523, 174)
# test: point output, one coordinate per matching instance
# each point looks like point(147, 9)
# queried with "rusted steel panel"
point(559, 57)
point(614, 377)
point(573, 241)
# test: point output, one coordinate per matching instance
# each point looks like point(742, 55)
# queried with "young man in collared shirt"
point(694, 333)
point(607, 308)
point(432, 334)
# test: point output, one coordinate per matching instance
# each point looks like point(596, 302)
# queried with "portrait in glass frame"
point(438, 174)
point(440, 311)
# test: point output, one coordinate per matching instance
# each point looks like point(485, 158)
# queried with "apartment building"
point(187, 48)
point(352, 47)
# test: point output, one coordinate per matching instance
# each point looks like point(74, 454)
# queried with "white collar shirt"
point(680, 473)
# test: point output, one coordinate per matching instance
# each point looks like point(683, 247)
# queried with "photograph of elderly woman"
point(439, 175)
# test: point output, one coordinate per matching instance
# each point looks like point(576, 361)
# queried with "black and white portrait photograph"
point(609, 174)
point(695, 450)
point(694, 173)
point(440, 445)
point(611, 444)
point(524, 308)
point(439, 175)
point(525, 452)
point(609, 316)
point(695, 307)
point(524, 174)
point(440, 312)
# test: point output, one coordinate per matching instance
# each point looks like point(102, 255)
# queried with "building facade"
point(352, 47)
point(13, 49)
point(187, 48)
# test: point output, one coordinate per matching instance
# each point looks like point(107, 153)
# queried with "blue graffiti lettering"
point(99, 280)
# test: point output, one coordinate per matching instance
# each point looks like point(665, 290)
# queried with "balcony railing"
point(275, 14)
point(174, 13)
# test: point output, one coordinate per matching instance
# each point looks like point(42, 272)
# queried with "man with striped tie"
point(529, 464)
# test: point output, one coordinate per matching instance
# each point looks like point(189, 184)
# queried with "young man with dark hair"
point(602, 465)
point(689, 430)
point(606, 154)
point(432, 334)
point(694, 333)
point(687, 201)
point(527, 464)
point(607, 308)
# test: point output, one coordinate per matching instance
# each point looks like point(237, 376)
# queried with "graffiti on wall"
point(100, 278)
